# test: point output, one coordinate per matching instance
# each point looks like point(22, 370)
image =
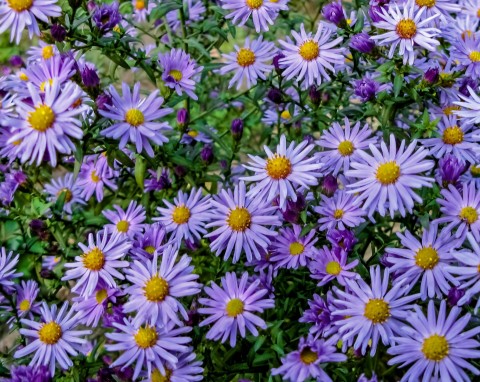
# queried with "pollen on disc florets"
point(406, 28)
point(278, 167)
point(309, 50)
point(239, 219)
point(377, 310)
point(234, 307)
point(42, 118)
point(134, 117)
point(388, 173)
point(245, 57)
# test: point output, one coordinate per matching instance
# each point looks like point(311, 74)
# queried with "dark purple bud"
point(90, 77)
point(465, 84)
point(333, 12)
point(47, 274)
point(329, 185)
point(450, 169)
point(37, 226)
point(16, 61)
point(365, 89)
point(207, 154)
point(105, 375)
point(431, 75)
point(315, 95)
point(106, 16)
point(275, 96)
point(58, 32)
point(18, 177)
point(309, 138)
point(30, 374)
point(385, 260)
point(341, 240)
point(125, 374)
point(373, 12)
point(454, 295)
point(103, 100)
point(325, 97)
point(180, 171)
point(237, 129)
point(182, 117)
point(362, 43)
point(276, 62)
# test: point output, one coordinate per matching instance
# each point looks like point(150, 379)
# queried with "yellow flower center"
point(452, 135)
point(158, 377)
point(427, 258)
point(176, 74)
point(278, 167)
point(67, 192)
point(406, 28)
point(308, 356)
point(338, 214)
point(146, 337)
point(95, 178)
point(42, 118)
point(44, 84)
point(285, 114)
point(94, 260)
point(474, 56)
point(134, 117)
point(24, 305)
point(475, 171)
point(469, 214)
point(139, 5)
point(20, 5)
point(193, 133)
point(345, 148)
point(23, 76)
point(333, 268)
point(377, 310)
point(435, 348)
point(450, 109)
point(123, 226)
point(296, 248)
point(47, 52)
point(254, 4)
point(50, 333)
point(245, 57)
point(234, 307)
point(239, 219)
point(388, 173)
point(426, 3)
point(309, 50)
point(349, 21)
point(101, 295)
point(117, 29)
point(181, 214)
point(149, 249)
point(156, 289)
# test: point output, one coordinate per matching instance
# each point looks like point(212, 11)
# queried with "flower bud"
point(16, 61)
point(103, 100)
point(276, 62)
point(362, 43)
point(275, 96)
point(329, 185)
point(90, 77)
point(237, 129)
point(58, 32)
point(454, 295)
point(315, 95)
point(207, 154)
point(333, 12)
point(431, 75)
point(182, 117)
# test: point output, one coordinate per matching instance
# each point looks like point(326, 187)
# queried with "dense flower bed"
point(239, 190)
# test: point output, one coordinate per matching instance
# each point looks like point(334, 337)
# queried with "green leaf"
point(397, 84)
point(117, 60)
point(164, 8)
point(123, 158)
point(140, 168)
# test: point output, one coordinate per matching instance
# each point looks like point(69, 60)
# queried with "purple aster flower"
point(16, 61)
point(8, 262)
point(115, 315)
point(27, 293)
point(89, 76)
point(340, 211)
point(94, 177)
point(179, 71)
point(187, 369)
point(472, 175)
point(283, 171)
point(427, 260)
point(390, 176)
point(98, 262)
point(249, 62)
point(293, 209)
point(194, 12)
point(319, 315)
point(467, 52)
point(291, 250)
point(366, 88)
point(436, 345)
point(306, 362)
point(158, 181)
point(443, 7)
point(371, 312)
point(232, 308)
point(243, 224)
point(455, 294)
point(470, 108)
point(54, 338)
point(56, 69)
point(142, 10)
point(406, 28)
point(342, 144)
point(46, 124)
point(362, 43)
point(128, 223)
point(431, 75)
point(329, 265)
point(43, 52)
point(92, 309)
point(192, 136)
point(450, 169)
point(341, 240)
point(156, 288)
point(460, 210)
point(107, 16)
point(147, 346)
point(454, 138)
point(329, 185)
point(310, 56)
point(261, 12)
point(334, 12)
point(29, 374)
point(467, 82)
point(136, 116)
point(145, 243)
point(16, 15)
point(67, 188)
point(187, 217)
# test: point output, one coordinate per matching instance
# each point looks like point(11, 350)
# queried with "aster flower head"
point(310, 56)
point(106, 16)
point(449, 169)
point(261, 12)
point(342, 144)
point(29, 373)
point(92, 309)
point(66, 188)
point(187, 369)
point(467, 52)
point(390, 176)
point(99, 261)
point(8, 262)
point(18, 14)
point(156, 288)
point(195, 11)
point(468, 109)
point(150, 347)
point(283, 172)
point(340, 211)
point(250, 62)
point(129, 222)
point(48, 123)
point(436, 345)
point(158, 181)
point(367, 88)
point(141, 10)
point(135, 118)
point(187, 216)
point(233, 307)
point(362, 42)
point(243, 224)
point(460, 210)
point(94, 175)
point(328, 265)
point(27, 293)
point(153, 239)
point(319, 315)
point(54, 338)
point(426, 260)
point(43, 51)
point(371, 312)
point(291, 249)
point(341, 240)
point(306, 362)
point(407, 28)
point(180, 71)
